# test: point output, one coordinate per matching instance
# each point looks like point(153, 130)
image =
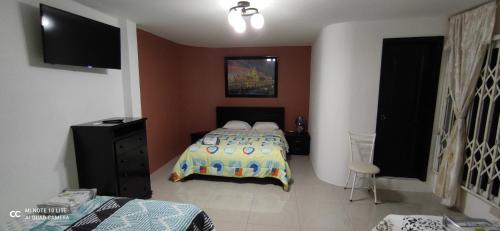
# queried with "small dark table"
point(195, 136)
point(298, 142)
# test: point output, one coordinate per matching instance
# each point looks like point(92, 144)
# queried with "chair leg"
point(370, 185)
point(348, 177)
point(353, 183)
point(375, 188)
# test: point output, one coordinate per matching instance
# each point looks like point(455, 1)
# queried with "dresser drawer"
point(134, 160)
point(131, 142)
point(298, 149)
point(132, 168)
point(126, 173)
point(297, 141)
point(139, 152)
point(135, 187)
point(133, 173)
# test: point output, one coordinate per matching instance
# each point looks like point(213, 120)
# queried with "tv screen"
point(70, 39)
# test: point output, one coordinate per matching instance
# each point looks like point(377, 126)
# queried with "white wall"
point(39, 102)
point(473, 206)
point(130, 69)
point(345, 73)
point(329, 104)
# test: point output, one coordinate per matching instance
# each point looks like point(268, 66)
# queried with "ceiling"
point(287, 22)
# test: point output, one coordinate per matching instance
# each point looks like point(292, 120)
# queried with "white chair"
point(362, 163)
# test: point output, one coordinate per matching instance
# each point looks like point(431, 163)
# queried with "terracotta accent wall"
point(181, 86)
point(204, 87)
point(159, 79)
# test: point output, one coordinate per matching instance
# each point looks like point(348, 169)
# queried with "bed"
point(119, 213)
point(240, 153)
point(394, 222)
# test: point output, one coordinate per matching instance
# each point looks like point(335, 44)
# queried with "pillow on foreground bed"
point(265, 126)
point(237, 124)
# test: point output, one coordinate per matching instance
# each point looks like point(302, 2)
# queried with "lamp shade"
point(233, 16)
point(301, 124)
point(237, 17)
point(257, 21)
point(240, 25)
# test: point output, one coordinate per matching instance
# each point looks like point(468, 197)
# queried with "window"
point(481, 174)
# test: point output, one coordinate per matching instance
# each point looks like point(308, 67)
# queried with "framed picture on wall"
point(255, 76)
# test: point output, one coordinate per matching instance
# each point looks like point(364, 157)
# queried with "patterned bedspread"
point(239, 154)
point(410, 223)
point(115, 213)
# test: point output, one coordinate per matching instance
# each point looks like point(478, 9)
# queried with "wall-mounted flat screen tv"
point(70, 39)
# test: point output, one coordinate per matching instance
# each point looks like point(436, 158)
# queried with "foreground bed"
point(112, 213)
point(410, 222)
point(239, 154)
point(394, 222)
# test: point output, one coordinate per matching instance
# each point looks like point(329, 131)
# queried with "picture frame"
point(251, 76)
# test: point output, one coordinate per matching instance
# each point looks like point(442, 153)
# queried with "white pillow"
point(265, 126)
point(237, 124)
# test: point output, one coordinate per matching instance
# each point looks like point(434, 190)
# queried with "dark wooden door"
point(407, 98)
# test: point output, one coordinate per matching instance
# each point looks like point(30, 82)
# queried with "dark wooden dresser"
point(113, 157)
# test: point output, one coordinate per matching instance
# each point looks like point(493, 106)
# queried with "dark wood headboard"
point(251, 115)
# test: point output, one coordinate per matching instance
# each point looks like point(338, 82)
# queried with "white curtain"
point(469, 35)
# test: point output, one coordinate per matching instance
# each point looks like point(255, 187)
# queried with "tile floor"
point(311, 205)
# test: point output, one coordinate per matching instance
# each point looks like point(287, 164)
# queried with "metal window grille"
point(481, 175)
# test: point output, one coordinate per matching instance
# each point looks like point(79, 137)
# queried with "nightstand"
point(195, 136)
point(298, 143)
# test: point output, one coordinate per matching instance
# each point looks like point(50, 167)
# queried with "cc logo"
point(15, 214)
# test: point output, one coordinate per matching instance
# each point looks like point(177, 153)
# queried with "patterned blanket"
point(108, 213)
point(410, 223)
point(239, 153)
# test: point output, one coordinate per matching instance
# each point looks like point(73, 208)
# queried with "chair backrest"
point(361, 147)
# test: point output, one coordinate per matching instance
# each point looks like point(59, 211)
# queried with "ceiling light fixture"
point(243, 9)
